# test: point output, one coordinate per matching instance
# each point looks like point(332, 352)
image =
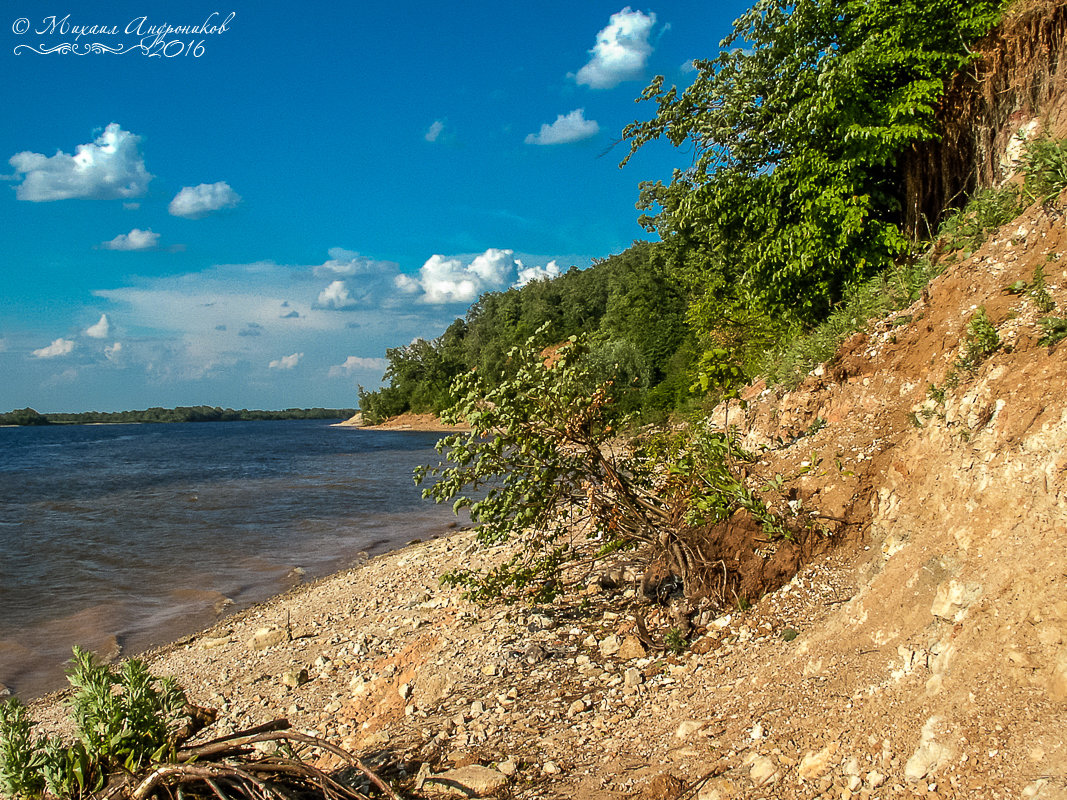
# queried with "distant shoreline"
point(28, 417)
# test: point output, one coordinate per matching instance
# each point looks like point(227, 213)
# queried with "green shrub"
point(20, 759)
point(987, 209)
point(1053, 330)
point(539, 467)
point(123, 720)
point(1045, 167)
point(1038, 293)
point(981, 342)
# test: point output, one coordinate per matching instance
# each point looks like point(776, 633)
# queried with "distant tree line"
point(28, 416)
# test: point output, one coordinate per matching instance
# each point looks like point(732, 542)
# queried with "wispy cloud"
point(60, 347)
point(134, 240)
point(195, 202)
point(286, 362)
point(621, 51)
point(354, 364)
point(236, 320)
point(434, 131)
point(107, 169)
point(344, 263)
point(99, 330)
point(572, 127)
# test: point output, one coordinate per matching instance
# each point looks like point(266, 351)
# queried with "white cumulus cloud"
point(572, 127)
point(194, 202)
point(455, 279)
point(134, 240)
point(434, 130)
point(528, 274)
point(621, 51)
point(109, 168)
point(60, 347)
point(355, 363)
point(336, 295)
point(286, 362)
point(100, 329)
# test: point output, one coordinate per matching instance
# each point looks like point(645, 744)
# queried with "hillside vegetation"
point(808, 136)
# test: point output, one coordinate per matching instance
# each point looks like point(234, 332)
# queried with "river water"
point(132, 535)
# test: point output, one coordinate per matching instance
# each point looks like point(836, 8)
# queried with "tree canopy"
point(797, 129)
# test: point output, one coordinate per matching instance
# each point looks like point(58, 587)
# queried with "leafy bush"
point(541, 467)
point(982, 341)
point(988, 209)
point(536, 466)
point(1053, 330)
point(122, 720)
point(1045, 167)
point(20, 759)
point(132, 734)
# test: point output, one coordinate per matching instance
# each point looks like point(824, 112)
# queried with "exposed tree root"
point(233, 768)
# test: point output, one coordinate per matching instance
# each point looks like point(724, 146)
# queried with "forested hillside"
point(799, 205)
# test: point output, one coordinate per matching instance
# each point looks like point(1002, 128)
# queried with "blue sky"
point(253, 216)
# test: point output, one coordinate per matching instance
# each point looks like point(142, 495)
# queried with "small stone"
point(631, 648)
point(266, 637)
point(610, 645)
point(687, 728)
point(875, 779)
point(470, 781)
point(815, 765)
point(295, 677)
point(633, 677)
point(477, 708)
point(404, 691)
point(762, 771)
point(534, 654)
point(489, 669)
point(718, 789)
point(550, 768)
point(508, 767)
point(577, 707)
point(854, 783)
point(928, 755)
point(213, 642)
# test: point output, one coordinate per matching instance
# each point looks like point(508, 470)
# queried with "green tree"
point(797, 129)
point(534, 468)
